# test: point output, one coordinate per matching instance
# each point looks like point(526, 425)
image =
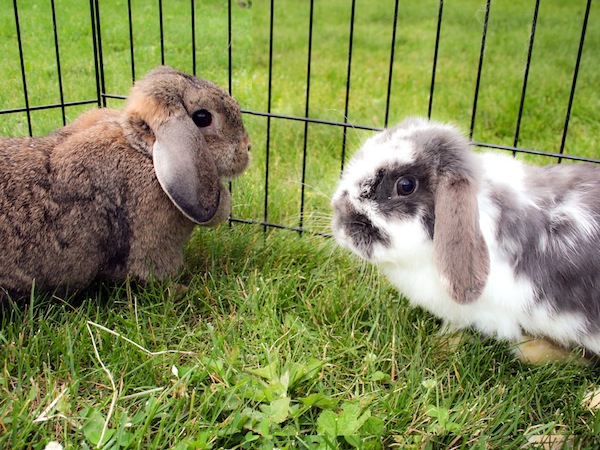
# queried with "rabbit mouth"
point(356, 231)
point(231, 171)
point(365, 236)
point(226, 178)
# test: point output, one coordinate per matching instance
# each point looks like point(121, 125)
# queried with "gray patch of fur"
point(549, 245)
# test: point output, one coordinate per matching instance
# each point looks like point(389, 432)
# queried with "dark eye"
point(406, 185)
point(202, 118)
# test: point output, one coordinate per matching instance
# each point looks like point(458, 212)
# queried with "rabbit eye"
point(202, 118)
point(406, 186)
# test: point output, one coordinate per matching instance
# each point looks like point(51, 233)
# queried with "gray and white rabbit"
point(117, 193)
point(481, 240)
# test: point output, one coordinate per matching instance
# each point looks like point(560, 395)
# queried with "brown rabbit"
point(117, 193)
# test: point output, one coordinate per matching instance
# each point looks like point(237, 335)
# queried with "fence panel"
point(315, 77)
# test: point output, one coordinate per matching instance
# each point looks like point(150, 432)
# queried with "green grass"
point(275, 338)
point(282, 341)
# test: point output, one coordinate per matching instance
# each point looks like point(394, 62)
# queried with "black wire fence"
point(255, 63)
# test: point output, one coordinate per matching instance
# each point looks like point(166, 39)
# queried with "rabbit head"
point(410, 193)
point(192, 129)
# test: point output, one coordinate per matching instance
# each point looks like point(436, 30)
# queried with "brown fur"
point(84, 203)
point(460, 252)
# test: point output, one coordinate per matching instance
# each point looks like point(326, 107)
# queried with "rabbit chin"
point(400, 251)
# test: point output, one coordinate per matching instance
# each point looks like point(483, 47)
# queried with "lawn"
point(275, 339)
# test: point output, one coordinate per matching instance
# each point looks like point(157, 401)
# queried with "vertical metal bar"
point(58, 68)
point(575, 75)
point(435, 57)
point(131, 45)
point(348, 79)
point(229, 46)
point(526, 75)
point(269, 100)
point(306, 114)
point(100, 55)
point(480, 67)
point(162, 32)
point(229, 64)
point(22, 61)
point(193, 14)
point(97, 68)
point(391, 71)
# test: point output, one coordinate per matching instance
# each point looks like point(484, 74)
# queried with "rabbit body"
point(478, 239)
point(84, 203)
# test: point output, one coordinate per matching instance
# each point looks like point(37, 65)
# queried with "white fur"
point(491, 313)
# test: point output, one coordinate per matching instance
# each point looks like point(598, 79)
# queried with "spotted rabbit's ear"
point(459, 249)
point(185, 168)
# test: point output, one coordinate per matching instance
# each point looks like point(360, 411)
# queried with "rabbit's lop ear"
point(185, 169)
point(459, 249)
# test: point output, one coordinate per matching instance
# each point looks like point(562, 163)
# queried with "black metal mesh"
point(268, 113)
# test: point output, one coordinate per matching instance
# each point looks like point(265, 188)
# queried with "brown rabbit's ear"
point(185, 169)
point(459, 250)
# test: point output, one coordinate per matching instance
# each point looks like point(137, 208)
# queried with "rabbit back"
point(547, 229)
point(72, 210)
